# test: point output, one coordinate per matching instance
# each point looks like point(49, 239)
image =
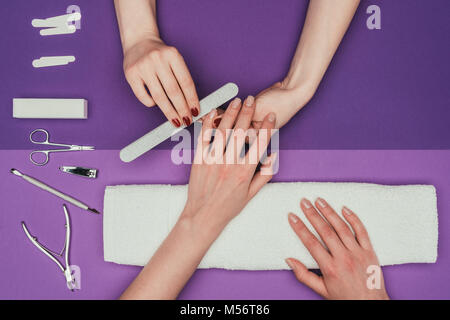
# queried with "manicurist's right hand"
point(159, 76)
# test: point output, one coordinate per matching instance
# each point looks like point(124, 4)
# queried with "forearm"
point(325, 25)
point(175, 261)
point(137, 21)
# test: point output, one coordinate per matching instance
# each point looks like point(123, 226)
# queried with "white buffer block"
point(30, 108)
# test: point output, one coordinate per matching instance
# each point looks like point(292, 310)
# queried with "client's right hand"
point(349, 265)
point(223, 179)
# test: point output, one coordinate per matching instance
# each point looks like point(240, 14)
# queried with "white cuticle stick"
point(166, 130)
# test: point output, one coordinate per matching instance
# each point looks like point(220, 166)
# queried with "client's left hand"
point(223, 180)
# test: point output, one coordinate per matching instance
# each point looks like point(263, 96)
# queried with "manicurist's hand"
point(222, 181)
point(152, 65)
point(349, 260)
point(156, 72)
point(325, 25)
point(283, 99)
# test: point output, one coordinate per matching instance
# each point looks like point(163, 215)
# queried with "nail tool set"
point(38, 108)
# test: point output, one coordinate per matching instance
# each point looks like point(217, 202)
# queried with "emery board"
point(166, 130)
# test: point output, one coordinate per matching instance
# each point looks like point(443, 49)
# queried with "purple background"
point(385, 89)
point(27, 273)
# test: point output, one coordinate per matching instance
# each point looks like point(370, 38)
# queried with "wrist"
point(131, 42)
point(203, 222)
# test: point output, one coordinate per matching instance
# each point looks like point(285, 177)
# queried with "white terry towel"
point(401, 221)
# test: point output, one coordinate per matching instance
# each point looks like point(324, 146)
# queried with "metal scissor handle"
point(46, 141)
point(46, 152)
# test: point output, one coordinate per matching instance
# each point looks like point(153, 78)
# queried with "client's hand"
point(350, 268)
point(219, 190)
point(222, 181)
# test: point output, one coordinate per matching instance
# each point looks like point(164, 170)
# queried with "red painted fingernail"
point(217, 121)
point(187, 121)
point(194, 112)
point(176, 122)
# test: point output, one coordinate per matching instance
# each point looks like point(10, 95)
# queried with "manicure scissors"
point(70, 147)
point(70, 280)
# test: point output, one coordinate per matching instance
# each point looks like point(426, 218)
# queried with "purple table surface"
point(385, 89)
point(27, 273)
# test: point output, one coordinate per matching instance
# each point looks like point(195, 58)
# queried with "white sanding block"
point(166, 130)
point(30, 108)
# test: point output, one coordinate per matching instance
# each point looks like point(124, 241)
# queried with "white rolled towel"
point(401, 221)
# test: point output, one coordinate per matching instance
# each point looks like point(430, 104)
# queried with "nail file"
point(52, 61)
point(166, 130)
point(57, 25)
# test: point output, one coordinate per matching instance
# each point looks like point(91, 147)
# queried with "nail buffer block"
point(50, 108)
point(166, 130)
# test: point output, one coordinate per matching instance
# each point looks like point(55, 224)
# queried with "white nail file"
point(52, 61)
point(166, 130)
point(57, 25)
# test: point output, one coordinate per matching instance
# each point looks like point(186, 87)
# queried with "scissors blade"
point(87, 148)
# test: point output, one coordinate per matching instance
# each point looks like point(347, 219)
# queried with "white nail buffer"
point(166, 130)
point(29, 108)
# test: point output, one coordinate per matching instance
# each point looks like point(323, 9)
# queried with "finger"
point(240, 131)
point(311, 243)
point(138, 87)
point(263, 176)
point(360, 231)
point(227, 122)
point(259, 146)
point(245, 115)
point(341, 228)
point(307, 277)
point(204, 138)
point(184, 78)
point(326, 233)
point(160, 97)
point(174, 93)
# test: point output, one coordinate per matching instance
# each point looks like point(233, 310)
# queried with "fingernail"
point(194, 112)
point(306, 203)
point(346, 210)
point(322, 203)
point(249, 101)
point(289, 263)
point(176, 122)
point(213, 113)
point(186, 121)
point(235, 103)
point(217, 121)
point(293, 218)
point(271, 117)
